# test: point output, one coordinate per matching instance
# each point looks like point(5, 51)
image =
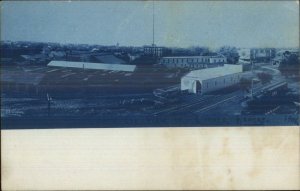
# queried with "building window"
point(206, 85)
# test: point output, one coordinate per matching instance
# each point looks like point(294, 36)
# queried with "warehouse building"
point(94, 66)
point(193, 62)
point(211, 79)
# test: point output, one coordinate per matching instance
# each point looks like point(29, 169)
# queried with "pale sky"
point(178, 23)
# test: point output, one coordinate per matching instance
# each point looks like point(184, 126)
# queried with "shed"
point(95, 66)
point(211, 79)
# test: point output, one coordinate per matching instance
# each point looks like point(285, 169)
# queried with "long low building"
point(95, 66)
point(195, 62)
point(211, 79)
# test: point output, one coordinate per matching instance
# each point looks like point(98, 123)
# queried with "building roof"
point(216, 72)
point(109, 59)
point(242, 61)
point(26, 57)
point(97, 66)
point(57, 53)
point(33, 57)
point(216, 56)
point(151, 46)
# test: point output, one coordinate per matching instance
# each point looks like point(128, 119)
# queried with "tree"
point(245, 84)
point(290, 65)
point(264, 77)
point(230, 53)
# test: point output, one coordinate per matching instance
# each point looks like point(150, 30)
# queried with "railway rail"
point(203, 103)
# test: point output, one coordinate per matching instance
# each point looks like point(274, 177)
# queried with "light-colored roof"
point(210, 73)
point(241, 61)
point(216, 56)
point(26, 57)
point(96, 66)
point(57, 53)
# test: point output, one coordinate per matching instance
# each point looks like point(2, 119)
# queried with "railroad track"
point(182, 107)
point(239, 97)
point(210, 103)
point(206, 102)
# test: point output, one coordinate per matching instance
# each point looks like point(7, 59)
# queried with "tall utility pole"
point(252, 78)
point(153, 23)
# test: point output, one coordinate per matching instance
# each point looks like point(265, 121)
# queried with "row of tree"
point(230, 53)
point(290, 65)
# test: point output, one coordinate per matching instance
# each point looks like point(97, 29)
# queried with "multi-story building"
point(193, 62)
point(155, 51)
point(262, 54)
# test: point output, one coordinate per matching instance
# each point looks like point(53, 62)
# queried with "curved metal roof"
point(209, 73)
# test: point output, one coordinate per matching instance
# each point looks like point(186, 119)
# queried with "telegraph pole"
point(153, 23)
point(49, 99)
point(252, 79)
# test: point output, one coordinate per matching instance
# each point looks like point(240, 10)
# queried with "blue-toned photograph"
point(106, 64)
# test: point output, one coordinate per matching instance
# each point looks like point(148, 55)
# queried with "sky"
point(177, 23)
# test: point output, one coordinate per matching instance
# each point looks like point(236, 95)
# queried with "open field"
point(144, 79)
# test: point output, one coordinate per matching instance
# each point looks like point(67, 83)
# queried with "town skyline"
point(65, 26)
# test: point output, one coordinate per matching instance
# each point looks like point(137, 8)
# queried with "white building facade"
point(211, 79)
point(194, 62)
point(153, 50)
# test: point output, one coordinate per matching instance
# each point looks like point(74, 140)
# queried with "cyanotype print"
point(68, 64)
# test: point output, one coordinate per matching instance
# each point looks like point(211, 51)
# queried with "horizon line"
point(190, 46)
